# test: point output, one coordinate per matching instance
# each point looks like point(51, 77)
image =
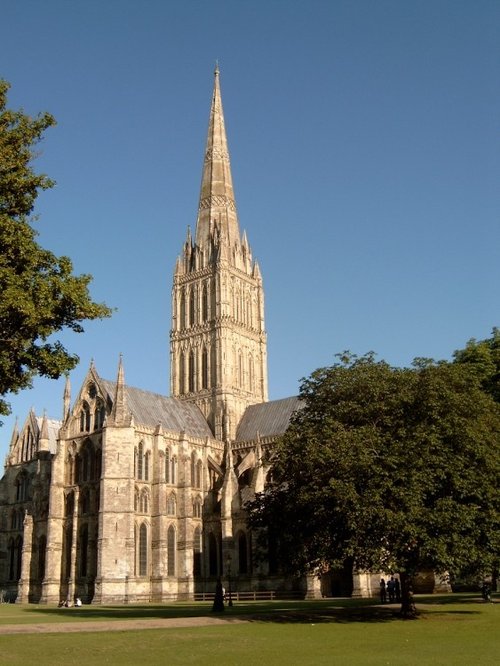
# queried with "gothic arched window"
point(85, 418)
point(191, 371)
point(15, 552)
point(197, 552)
point(69, 505)
point(171, 508)
point(204, 303)
point(66, 557)
point(250, 373)
point(22, 483)
point(140, 461)
point(171, 548)
point(240, 369)
point(42, 547)
point(249, 311)
point(144, 503)
point(70, 470)
point(167, 466)
point(204, 368)
point(192, 306)
point(173, 470)
point(98, 464)
point(199, 474)
point(197, 508)
point(182, 373)
point(84, 502)
point(143, 550)
point(99, 415)
point(183, 310)
point(84, 544)
point(87, 461)
point(193, 468)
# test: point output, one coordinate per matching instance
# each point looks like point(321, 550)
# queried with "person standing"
point(397, 590)
point(390, 589)
point(383, 591)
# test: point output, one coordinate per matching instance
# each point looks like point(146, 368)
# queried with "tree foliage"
point(39, 294)
point(483, 357)
point(395, 469)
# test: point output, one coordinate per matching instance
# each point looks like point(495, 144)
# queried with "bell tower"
point(218, 345)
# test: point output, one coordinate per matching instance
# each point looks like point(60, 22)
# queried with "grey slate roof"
point(152, 409)
point(268, 419)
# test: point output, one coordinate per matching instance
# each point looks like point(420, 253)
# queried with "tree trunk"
point(408, 610)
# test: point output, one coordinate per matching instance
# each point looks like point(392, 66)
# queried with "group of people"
point(66, 603)
point(390, 591)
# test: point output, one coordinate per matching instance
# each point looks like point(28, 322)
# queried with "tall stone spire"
point(217, 207)
point(218, 353)
point(66, 398)
point(120, 415)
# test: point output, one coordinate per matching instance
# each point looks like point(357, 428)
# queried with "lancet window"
point(250, 373)
point(182, 373)
point(183, 310)
point(69, 504)
point(197, 506)
point(15, 552)
point(99, 414)
point(85, 418)
point(204, 303)
point(191, 372)
point(240, 369)
point(197, 552)
point(199, 474)
point(42, 547)
point(84, 545)
point(22, 487)
point(171, 505)
point(144, 501)
point(142, 460)
point(204, 368)
point(167, 466)
point(171, 551)
point(192, 306)
point(84, 502)
point(170, 467)
point(142, 550)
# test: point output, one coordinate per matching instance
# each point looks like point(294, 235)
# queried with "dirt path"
point(118, 625)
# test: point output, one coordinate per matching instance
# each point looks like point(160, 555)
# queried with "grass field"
point(455, 629)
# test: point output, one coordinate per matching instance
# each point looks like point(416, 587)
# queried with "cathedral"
point(139, 497)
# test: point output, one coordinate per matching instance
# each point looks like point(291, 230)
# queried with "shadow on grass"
point(341, 611)
point(132, 612)
point(446, 599)
point(377, 614)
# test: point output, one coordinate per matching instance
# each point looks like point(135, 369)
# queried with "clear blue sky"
point(364, 140)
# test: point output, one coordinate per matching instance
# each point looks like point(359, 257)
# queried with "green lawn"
point(451, 630)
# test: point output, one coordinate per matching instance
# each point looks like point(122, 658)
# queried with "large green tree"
point(393, 469)
point(39, 294)
point(484, 357)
